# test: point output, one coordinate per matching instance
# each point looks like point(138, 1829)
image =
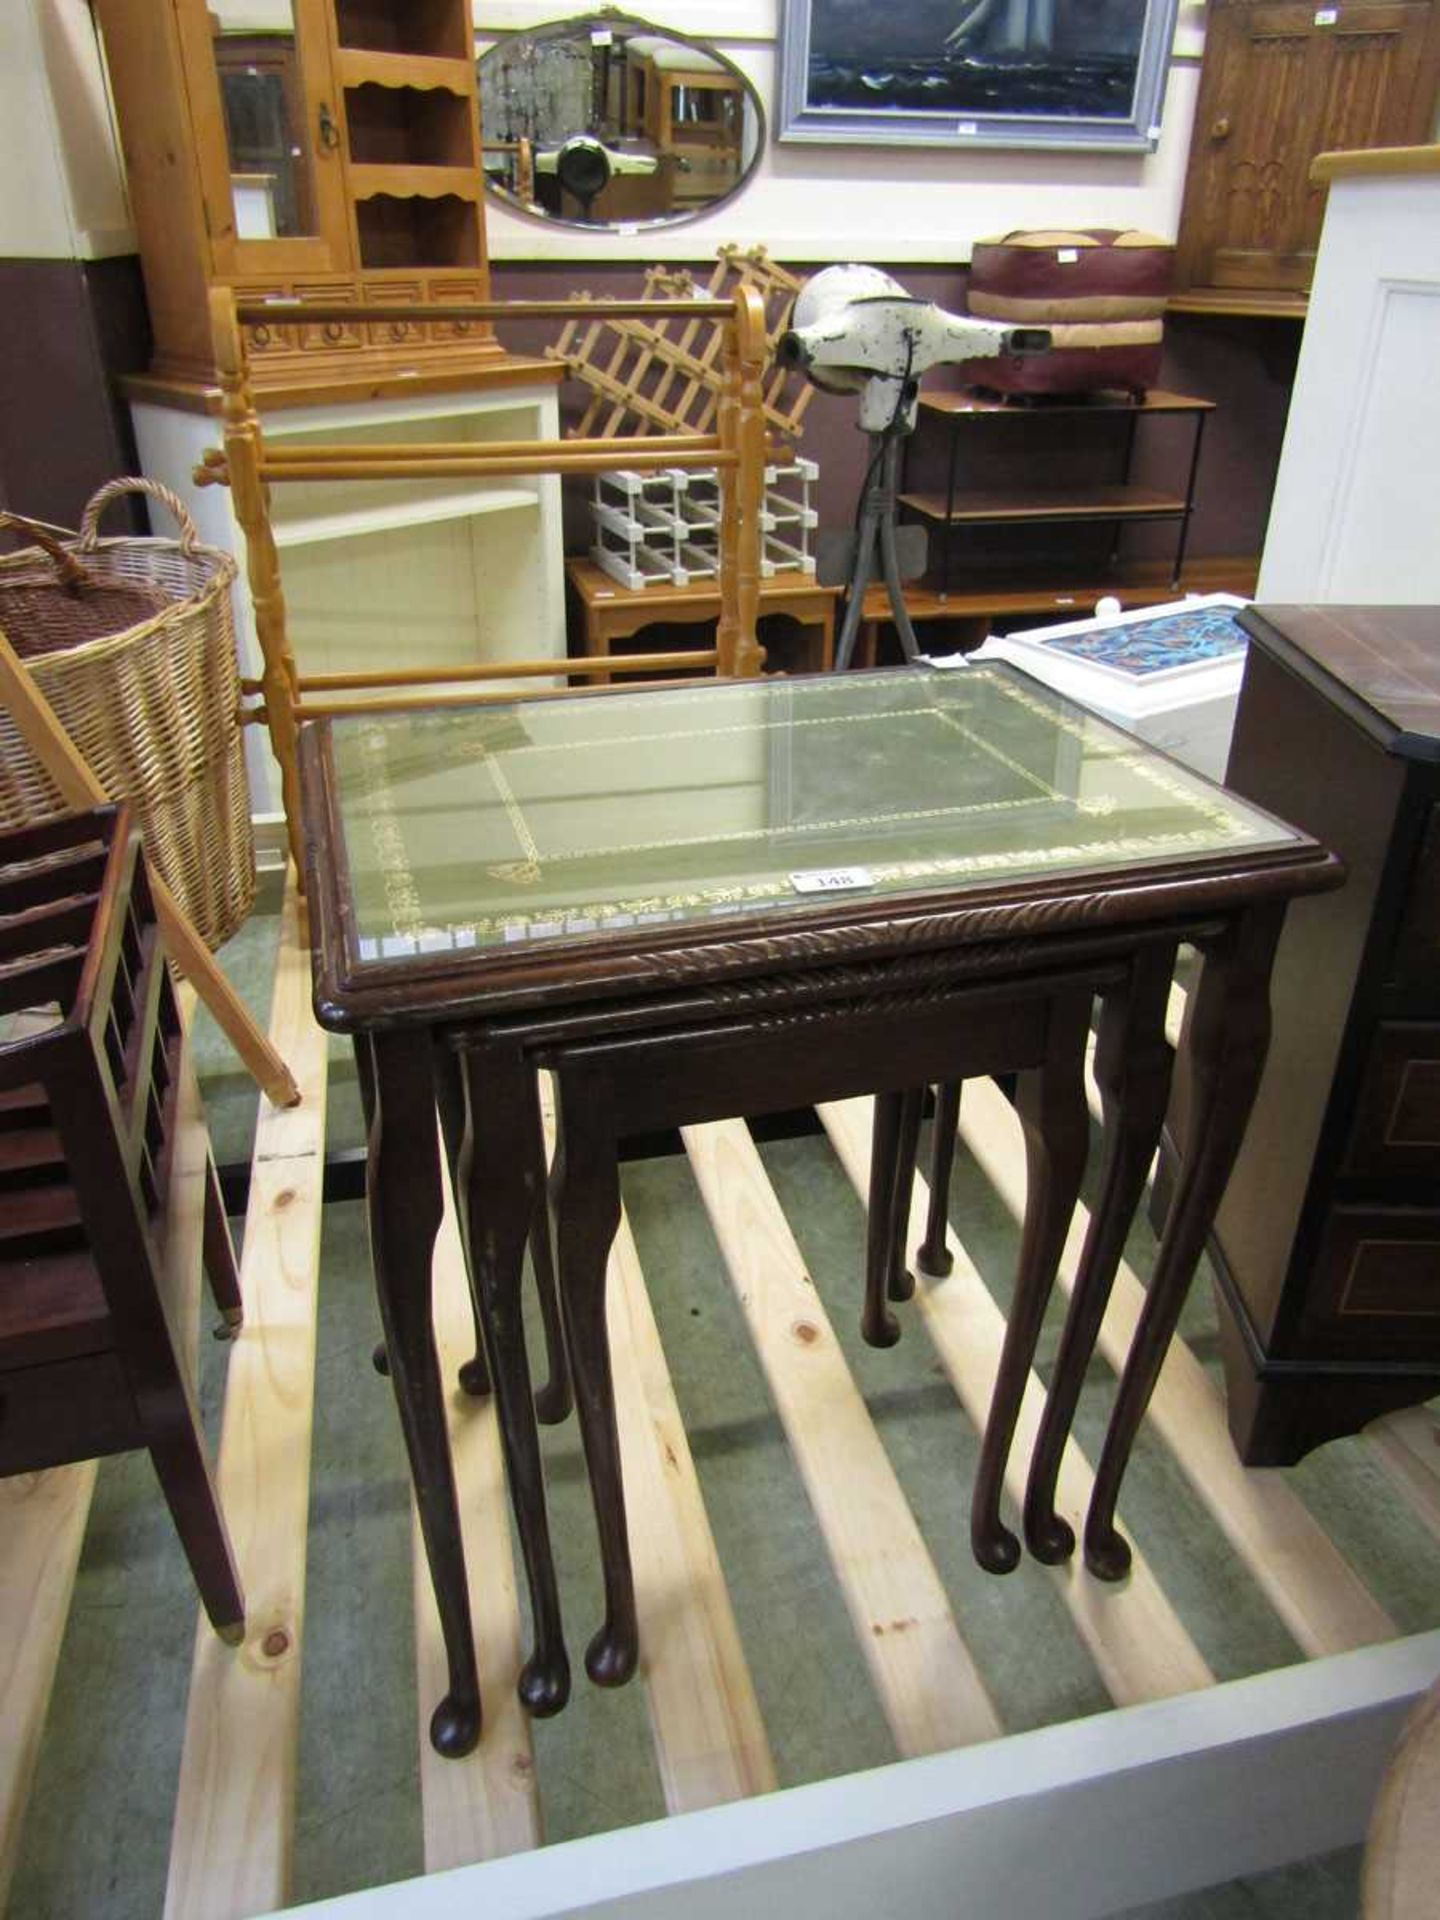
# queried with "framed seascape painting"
point(976, 73)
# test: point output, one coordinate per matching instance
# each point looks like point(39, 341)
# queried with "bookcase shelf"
point(368, 66)
point(405, 26)
point(415, 230)
point(972, 506)
point(412, 133)
point(351, 523)
point(408, 127)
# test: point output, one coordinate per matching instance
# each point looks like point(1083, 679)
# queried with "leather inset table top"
point(549, 821)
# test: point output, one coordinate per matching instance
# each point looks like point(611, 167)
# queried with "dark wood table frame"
point(689, 1023)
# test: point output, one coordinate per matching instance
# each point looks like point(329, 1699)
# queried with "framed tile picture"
point(1170, 674)
point(1088, 74)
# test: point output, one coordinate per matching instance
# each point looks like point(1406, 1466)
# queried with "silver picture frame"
point(1084, 74)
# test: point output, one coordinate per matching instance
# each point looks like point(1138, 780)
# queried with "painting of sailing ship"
point(998, 72)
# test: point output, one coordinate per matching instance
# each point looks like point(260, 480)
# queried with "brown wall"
point(1245, 366)
point(68, 329)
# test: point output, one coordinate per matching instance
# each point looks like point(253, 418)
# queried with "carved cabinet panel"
point(1282, 83)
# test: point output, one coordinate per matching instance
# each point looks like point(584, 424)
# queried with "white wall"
point(811, 203)
point(64, 196)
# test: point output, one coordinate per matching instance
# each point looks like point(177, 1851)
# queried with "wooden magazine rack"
point(736, 447)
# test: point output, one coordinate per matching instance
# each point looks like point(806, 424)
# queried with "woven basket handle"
point(133, 483)
point(69, 570)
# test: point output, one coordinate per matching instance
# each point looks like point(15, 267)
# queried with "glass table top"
point(553, 820)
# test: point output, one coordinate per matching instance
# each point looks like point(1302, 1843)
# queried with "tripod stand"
point(874, 530)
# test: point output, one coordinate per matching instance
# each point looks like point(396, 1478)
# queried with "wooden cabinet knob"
point(1220, 129)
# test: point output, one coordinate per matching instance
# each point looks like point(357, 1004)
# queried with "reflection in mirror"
point(260, 87)
point(607, 121)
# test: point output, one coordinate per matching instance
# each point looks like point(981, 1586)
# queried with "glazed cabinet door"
point(1282, 83)
point(267, 133)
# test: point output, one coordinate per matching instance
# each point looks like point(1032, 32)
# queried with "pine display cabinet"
point(332, 156)
point(329, 151)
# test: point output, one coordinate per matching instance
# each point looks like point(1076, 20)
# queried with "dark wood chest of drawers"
point(1328, 1241)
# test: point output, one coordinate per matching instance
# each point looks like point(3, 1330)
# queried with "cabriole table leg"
point(1050, 1100)
point(1228, 1035)
point(405, 1204)
point(501, 1190)
point(1132, 1069)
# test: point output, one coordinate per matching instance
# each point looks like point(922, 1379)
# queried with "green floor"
point(97, 1839)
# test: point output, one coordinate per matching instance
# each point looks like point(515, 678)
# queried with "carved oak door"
point(1281, 83)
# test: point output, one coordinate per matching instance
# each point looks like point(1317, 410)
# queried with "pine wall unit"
point(353, 128)
point(365, 112)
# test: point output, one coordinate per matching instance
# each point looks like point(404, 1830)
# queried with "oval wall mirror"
point(606, 122)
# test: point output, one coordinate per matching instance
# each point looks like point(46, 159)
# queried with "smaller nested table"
point(738, 897)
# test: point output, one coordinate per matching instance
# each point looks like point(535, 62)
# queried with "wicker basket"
point(131, 642)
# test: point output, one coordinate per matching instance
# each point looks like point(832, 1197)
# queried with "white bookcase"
point(388, 573)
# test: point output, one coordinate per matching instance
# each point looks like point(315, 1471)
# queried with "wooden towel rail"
point(737, 449)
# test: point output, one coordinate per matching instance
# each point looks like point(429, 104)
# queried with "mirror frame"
point(634, 25)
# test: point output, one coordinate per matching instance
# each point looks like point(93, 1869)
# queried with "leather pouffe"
point(1100, 290)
